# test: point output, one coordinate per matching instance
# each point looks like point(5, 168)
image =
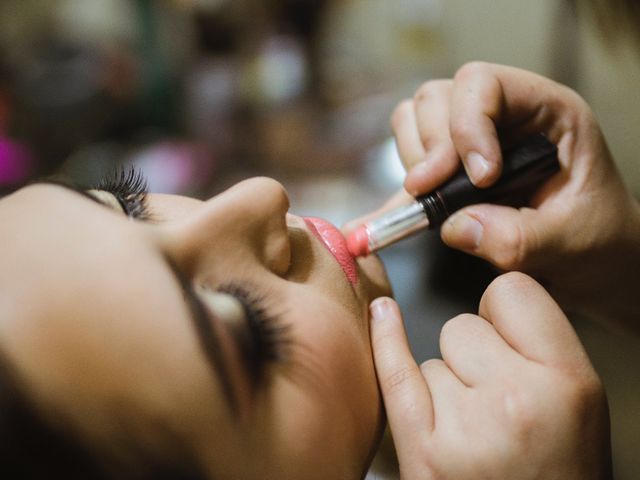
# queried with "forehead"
point(54, 242)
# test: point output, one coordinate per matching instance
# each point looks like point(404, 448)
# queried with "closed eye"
point(124, 191)
point(129, 187)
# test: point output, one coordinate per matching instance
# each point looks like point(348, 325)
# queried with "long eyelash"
point(129, 187)
point(270, 339)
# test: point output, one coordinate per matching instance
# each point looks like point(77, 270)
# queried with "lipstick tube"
point(525, 167)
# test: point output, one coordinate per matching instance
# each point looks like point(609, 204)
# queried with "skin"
point(514, 395)
point(579, 236)
point(98, 327)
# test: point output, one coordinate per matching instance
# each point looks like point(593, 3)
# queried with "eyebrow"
point(207, 336)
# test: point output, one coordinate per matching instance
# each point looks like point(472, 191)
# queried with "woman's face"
point(226, 330)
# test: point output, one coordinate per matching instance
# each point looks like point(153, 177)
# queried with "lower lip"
point(336, 244)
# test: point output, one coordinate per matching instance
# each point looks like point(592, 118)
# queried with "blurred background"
point(201, 93)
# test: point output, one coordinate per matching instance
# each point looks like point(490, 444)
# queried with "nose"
point(248, 219)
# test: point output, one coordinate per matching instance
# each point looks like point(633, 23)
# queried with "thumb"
point(508, 238)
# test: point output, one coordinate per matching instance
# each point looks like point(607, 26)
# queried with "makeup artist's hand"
point(514, 397)
point(582, 236)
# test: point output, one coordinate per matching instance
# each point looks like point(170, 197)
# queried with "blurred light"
point(173, 167)
point(16, 164)
point(278, 73)
point(206, 5)
point(98, 21)
point(384, 167)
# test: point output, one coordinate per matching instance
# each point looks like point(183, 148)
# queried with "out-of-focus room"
point(198, 94)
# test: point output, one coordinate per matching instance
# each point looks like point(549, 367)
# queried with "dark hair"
point(33, 448)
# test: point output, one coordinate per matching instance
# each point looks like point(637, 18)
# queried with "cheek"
point(122, 358)
point(334, 340)
point(329, 390)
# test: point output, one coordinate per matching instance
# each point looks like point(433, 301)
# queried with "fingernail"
point(380, 308)
point(478, 167)
point(464, 231)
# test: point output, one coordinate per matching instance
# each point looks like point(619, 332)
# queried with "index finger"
point(405, 392)
point(487, 98)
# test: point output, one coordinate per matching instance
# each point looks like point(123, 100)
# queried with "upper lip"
point(335, 242)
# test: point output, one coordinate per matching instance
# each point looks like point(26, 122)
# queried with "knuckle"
point(457, 323)
point(462, 127)
point(449, 329)
point(510, 281)
point(472, 69)
point(580, 109)
point(506, 284)
point(573, 106)
point(522, 411)
point(569, 96)
point(559, 403)
point(430, 90)
point(455, 327)
point(429, 365)
point(512, 250)
point(458, 333)
point(402, 111)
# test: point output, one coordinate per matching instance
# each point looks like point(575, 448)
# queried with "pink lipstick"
point(336, 244)
point(525, 167)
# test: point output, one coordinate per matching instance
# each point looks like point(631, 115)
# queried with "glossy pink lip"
point(336, 244)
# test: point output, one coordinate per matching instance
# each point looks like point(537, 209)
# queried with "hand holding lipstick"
point(514, 397)
point(582, 234)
